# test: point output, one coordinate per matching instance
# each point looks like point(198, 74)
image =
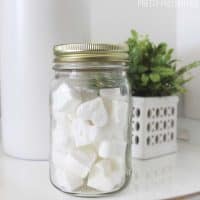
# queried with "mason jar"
point(90, 119)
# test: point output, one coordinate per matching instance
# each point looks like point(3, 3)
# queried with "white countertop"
point(161, 178)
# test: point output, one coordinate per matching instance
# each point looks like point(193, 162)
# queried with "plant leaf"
point(152, 69)
point(163, 71)
point(188, 67)
point(154, 77)
point(144, 79)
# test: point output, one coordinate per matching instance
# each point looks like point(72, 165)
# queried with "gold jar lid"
point(87, 52)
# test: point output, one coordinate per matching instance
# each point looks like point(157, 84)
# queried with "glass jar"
point(90, 119)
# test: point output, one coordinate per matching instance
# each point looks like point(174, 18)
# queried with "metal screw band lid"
point(85, 52)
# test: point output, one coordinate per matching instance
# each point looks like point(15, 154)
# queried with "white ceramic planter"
point(154, 126)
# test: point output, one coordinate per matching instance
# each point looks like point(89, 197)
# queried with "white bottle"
point(28, 32)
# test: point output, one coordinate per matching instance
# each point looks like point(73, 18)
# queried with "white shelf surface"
point(162, 178)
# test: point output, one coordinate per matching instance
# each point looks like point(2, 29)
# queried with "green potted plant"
point(156, 83)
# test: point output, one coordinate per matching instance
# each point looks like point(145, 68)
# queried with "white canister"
point(29, 30)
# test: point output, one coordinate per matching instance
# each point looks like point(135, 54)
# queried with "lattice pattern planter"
point(154, 126)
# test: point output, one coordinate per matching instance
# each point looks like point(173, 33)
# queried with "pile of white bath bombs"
point(89, 138)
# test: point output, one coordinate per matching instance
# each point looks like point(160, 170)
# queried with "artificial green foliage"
point(152, 70)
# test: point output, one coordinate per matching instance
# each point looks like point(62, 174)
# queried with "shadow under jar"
point(90, 119)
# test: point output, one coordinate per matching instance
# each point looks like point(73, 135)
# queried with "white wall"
point(188, 50)
point(111, 21)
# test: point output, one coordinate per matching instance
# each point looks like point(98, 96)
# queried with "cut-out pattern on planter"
point(154, 126)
